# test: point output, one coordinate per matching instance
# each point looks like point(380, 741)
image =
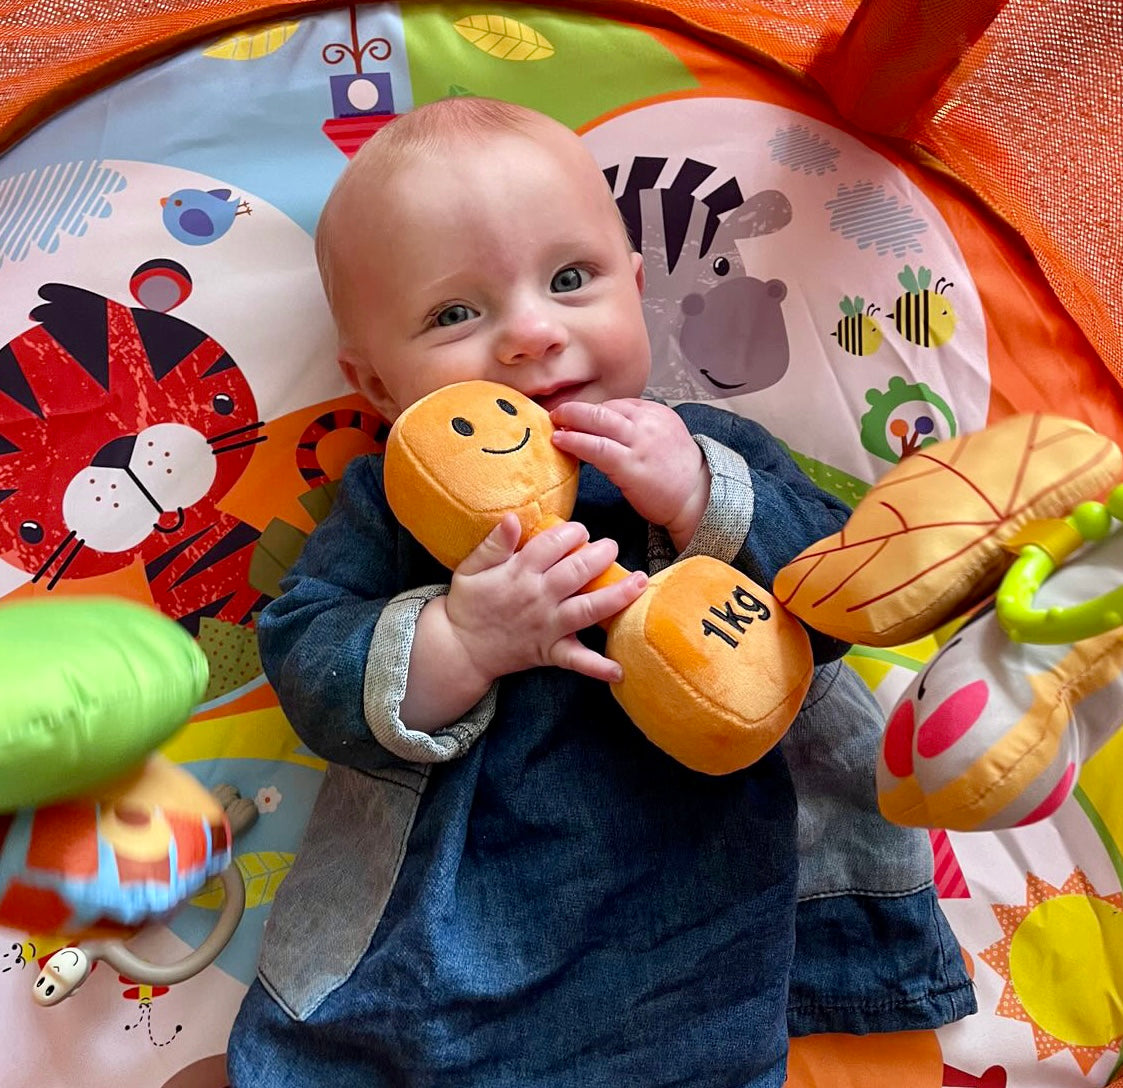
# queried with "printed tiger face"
point(115, 421)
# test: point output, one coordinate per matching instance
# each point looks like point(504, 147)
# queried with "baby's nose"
point(529, 336)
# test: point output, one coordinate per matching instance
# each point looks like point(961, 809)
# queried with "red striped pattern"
point(350, 133)
point(950, 881)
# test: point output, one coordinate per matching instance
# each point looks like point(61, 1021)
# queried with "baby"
point(504, 884)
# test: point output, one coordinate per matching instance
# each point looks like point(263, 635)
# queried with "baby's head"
point(477, 239)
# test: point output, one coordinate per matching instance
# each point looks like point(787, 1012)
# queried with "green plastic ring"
point(1014, 605)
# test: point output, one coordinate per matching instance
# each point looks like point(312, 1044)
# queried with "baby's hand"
point(644, 448)
point(512, 610)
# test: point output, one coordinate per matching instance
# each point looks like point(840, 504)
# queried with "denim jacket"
point(336, 647)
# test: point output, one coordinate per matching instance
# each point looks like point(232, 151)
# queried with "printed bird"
point(196, 216)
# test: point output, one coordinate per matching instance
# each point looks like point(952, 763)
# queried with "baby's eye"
point(569, 279)
point(455, 315)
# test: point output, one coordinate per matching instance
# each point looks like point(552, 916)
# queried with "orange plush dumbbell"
point(715, 669)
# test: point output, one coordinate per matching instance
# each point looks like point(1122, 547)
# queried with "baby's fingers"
point(603, 419)
point(586, 609)
point(595, 449)
point(495, 548)
point(544, 550)
point(576, 569)
point(569, 653)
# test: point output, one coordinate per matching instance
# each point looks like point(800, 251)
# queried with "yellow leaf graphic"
point(503, 38)
point(210, 898)
point(262, 872)
point(252, 45)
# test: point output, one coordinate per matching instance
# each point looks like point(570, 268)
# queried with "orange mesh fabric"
point(54, 51)
point(896, 54)
point(1032, 120)
point(1027, 109)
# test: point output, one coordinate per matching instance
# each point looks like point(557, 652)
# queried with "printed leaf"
point(927, 542)
point(252, 45)
point(262, 872)
point(210, 898)
point(274, 553)
point(231, 653)
point(504, 38)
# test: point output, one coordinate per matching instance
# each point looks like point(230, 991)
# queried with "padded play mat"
point(156, 252)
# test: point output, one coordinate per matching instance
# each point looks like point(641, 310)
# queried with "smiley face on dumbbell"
point(464, 456)
point(715, 669)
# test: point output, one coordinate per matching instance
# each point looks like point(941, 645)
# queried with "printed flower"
point(267, 799)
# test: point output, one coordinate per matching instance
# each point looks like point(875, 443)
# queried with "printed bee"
point(923, 317)
point(857, 332)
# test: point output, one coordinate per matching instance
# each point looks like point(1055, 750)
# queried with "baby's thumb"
point(495, 548)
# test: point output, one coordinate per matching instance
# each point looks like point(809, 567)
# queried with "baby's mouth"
point(558, 396)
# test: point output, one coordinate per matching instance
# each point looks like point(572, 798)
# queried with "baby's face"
point(505, 262)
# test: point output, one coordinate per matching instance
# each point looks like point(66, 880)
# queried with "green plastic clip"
point(1037, 561)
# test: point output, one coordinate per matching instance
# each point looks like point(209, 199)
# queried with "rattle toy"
point(1045, 547)
point(65, 970)
point(97, 835)
point(993, 732)
point(714, 669)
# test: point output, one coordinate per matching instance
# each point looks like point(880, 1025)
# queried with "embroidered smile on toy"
point(714, 669)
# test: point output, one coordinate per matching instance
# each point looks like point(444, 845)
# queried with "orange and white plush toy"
point(714, 670)
point(928, 541)
point(993, 731)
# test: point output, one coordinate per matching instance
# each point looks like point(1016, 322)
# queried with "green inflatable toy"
point(88, 687)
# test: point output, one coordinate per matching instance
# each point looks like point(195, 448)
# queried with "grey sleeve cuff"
point(725, 523)
point(384, 686)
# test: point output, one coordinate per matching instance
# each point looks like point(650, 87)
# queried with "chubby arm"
point(336, 645)
point(666, 463)
point(372, 666)
point(719, 484)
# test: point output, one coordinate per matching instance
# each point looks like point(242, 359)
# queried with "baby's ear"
point(637, 264)
point(363, 380)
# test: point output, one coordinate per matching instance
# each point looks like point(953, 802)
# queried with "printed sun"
point(1062, 958)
